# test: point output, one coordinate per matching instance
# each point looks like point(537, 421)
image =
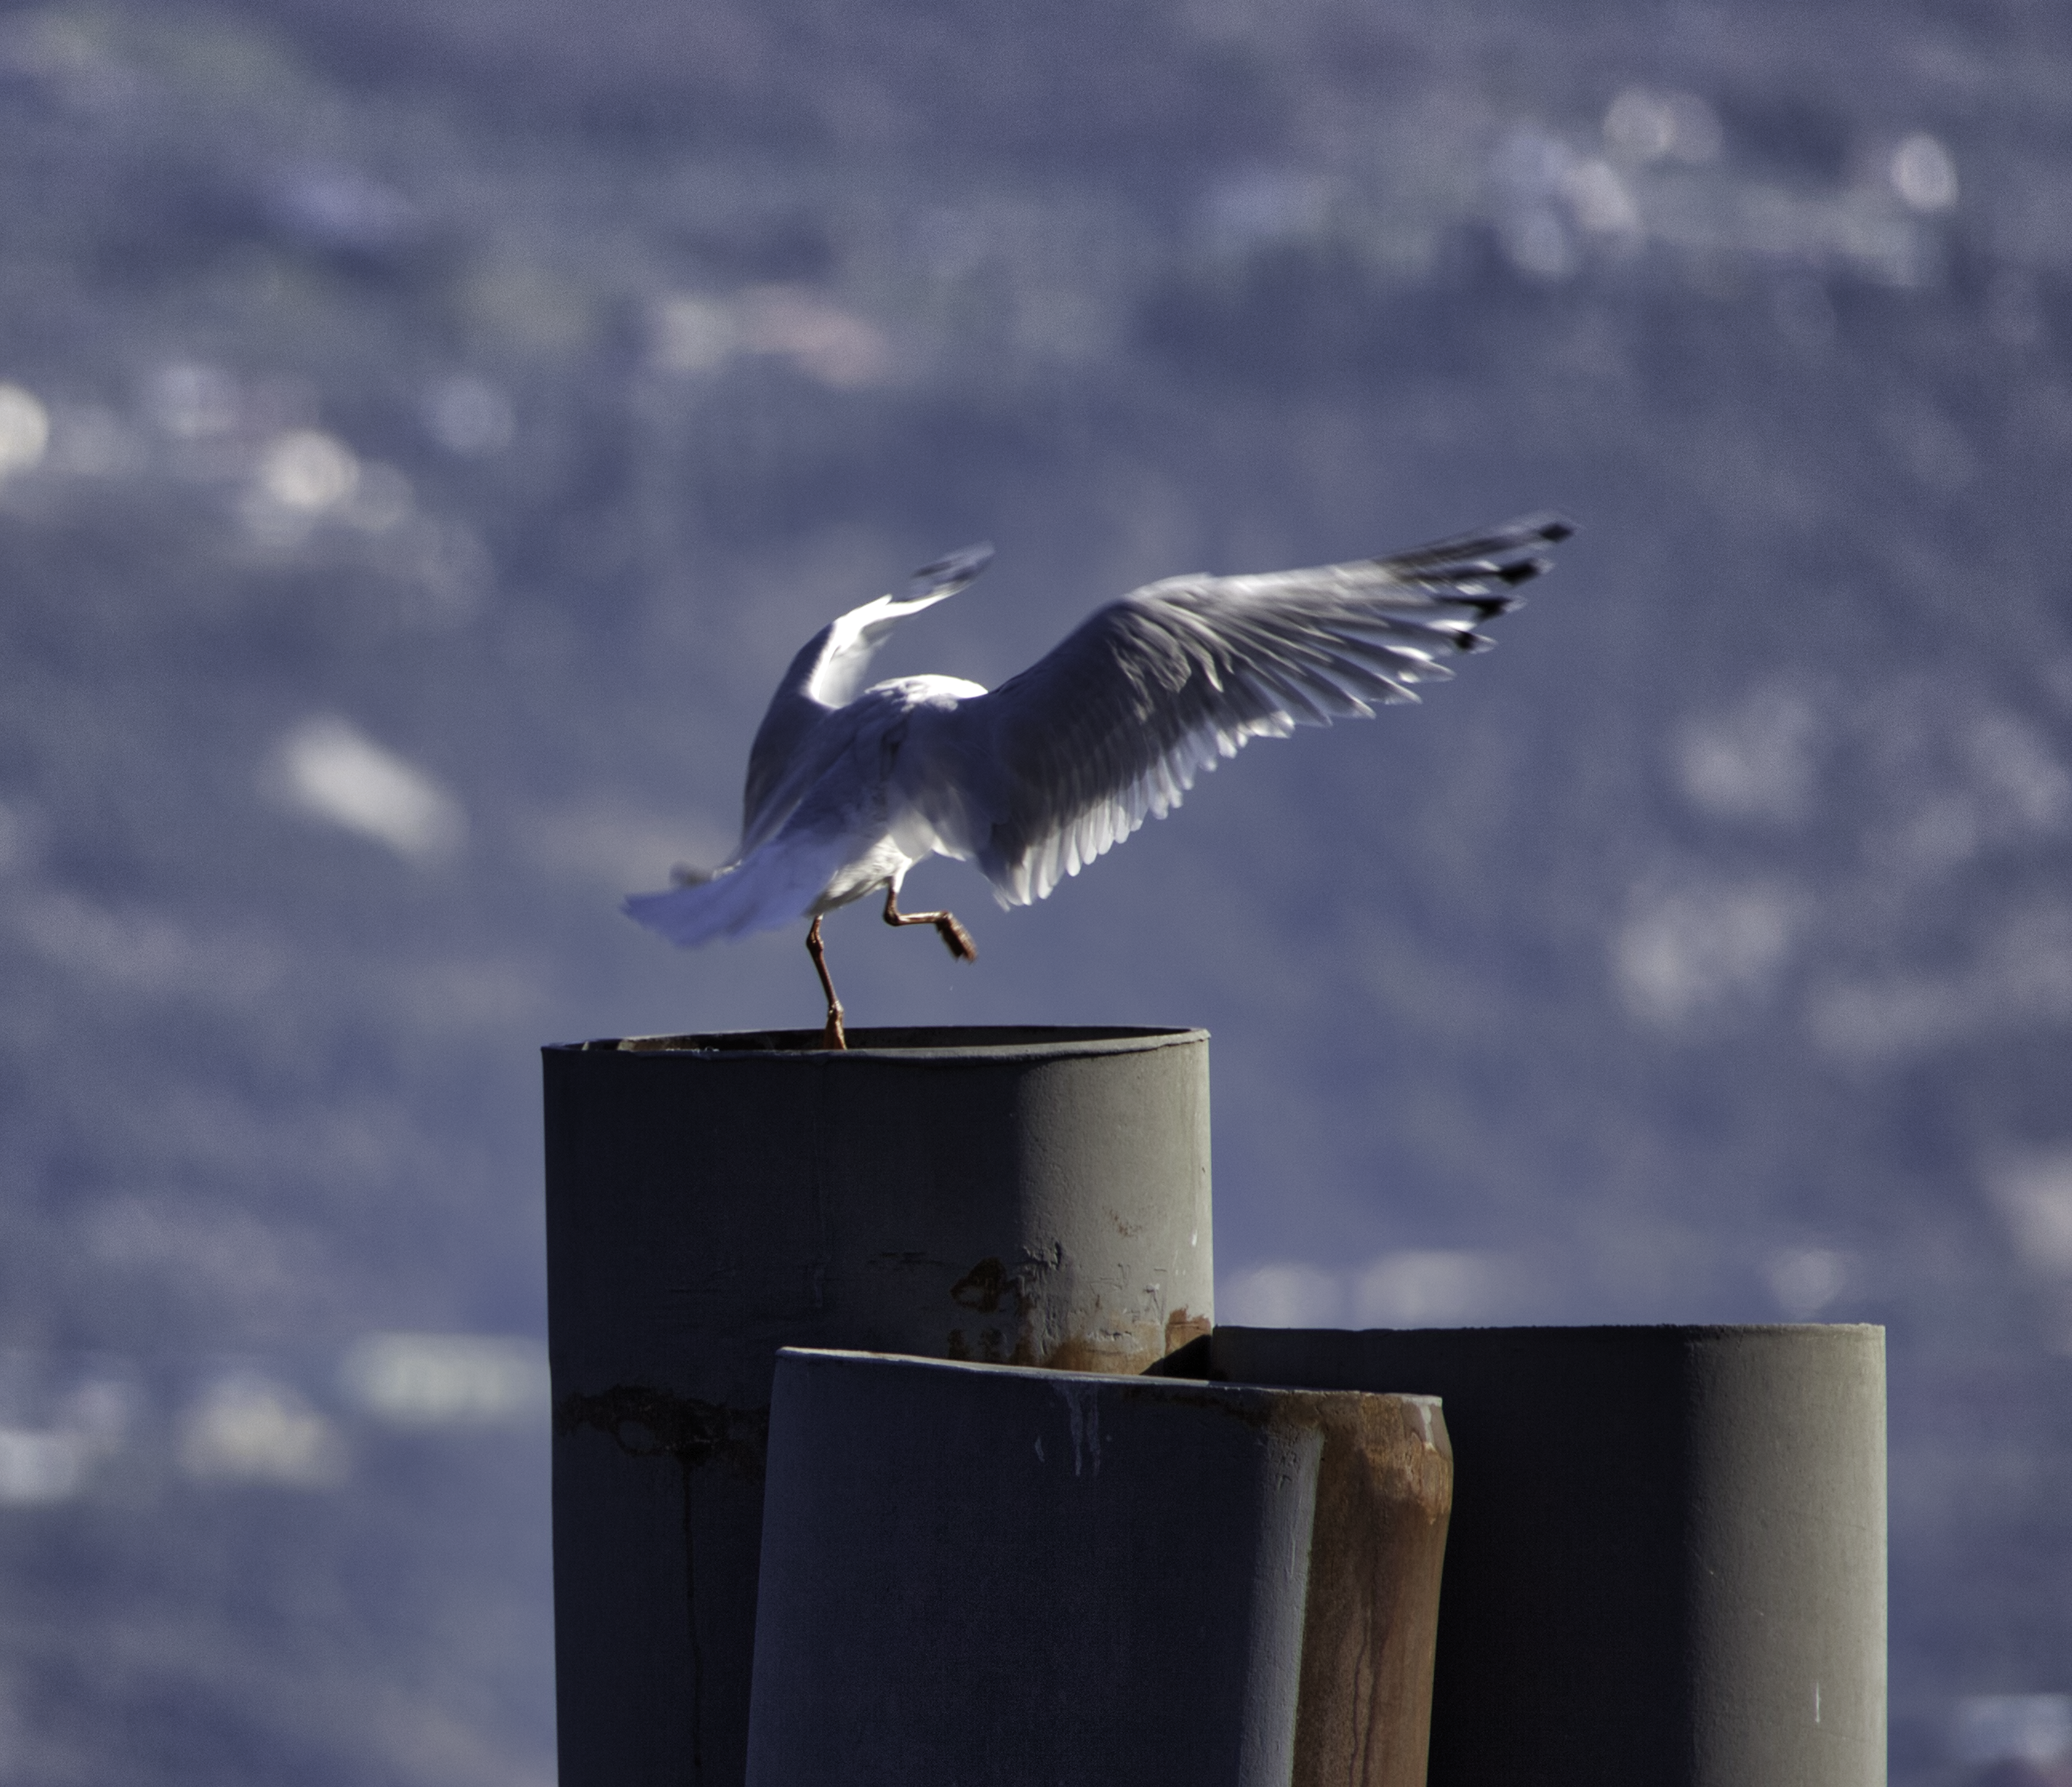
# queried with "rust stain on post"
point(1384, 1495)
point(1118, 1345)
point(984, 1286)
point(1122, 1349)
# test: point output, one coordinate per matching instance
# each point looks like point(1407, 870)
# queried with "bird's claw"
point(956, 939)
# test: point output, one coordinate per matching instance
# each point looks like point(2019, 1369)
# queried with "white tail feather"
point(769, 888)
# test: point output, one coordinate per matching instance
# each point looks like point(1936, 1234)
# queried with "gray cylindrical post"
point(1034, 1195)
point(980, 1573)
point(1667, 1560)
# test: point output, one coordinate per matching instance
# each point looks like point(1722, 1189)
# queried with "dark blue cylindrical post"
point(1034, 1195)
point(1667, 1561)
point(1017, 1577)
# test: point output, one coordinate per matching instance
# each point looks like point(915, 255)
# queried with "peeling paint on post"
point(1033, 1196)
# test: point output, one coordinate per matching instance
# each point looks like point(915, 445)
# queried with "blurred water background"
point(428, 429)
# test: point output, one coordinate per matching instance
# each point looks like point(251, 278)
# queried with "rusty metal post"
point(971, 1573)
point(1667, 1561)
point(1032, 1195)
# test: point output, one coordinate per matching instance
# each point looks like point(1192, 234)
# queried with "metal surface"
point(1667, 1559)
point(1036, 1195)
point(1017, 1578)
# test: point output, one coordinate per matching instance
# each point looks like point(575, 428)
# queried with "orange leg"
point(833, 1036)
point(954, 935)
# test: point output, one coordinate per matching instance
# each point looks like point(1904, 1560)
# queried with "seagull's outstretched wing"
point(826, 675)
point(1067, 759)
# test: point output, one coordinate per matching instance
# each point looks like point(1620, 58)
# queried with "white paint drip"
point(1424, 1405)
point(1083, 1409)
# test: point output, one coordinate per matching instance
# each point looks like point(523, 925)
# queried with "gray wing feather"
point(1115, 724)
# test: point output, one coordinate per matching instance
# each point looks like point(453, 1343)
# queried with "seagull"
point(848, 787)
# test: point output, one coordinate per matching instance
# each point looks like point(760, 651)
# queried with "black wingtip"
point(950, 573)
point(1502, 553)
